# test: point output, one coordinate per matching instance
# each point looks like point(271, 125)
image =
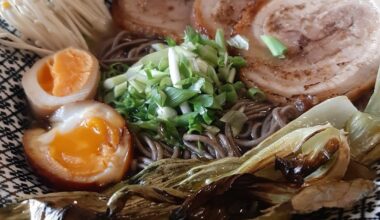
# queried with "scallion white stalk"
point(120, 89)
point(239, 42)
point(166, 112)
point(176, 77)
point(158, 74)
point(138, 85)
point(182, 52)
point(110, 83)
point(203, 65)
point(231, 75)
point(159, 46)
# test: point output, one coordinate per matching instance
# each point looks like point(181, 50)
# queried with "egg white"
point(43, 103)
point(64, 120)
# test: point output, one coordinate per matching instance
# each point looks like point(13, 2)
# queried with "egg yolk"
point(66, 72)
point(6, 4)
point(87, 149)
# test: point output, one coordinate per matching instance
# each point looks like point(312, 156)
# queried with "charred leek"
point(364, 130)
point(312, 151)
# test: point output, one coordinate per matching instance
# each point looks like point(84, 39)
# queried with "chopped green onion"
point(151, 110)
point(219, 39)
point(155, 76)
point(203, 100)
point(188, 82)
point(166, 113)
point(184, 54)
point(163, 64)
point(207, 115)
point(194, 65)
point(231, 94)
point(120, 89)
point(221, 98)
point(169, 133)
point(238, 85)
point(177, 89)
point(158, 74)
point(277, 48)
point(173, 67)
point(170, 41)
point(195, 125)
point(231, 75)
point(114, 70)
point(176, 97)
point(235, 119)
point(110, 83)
point(224, 72)
point(152, 58)
point(159, 46)
point(134, 70)
point(208, 42)
point(185, 69)
point(184, 120)
point(188, 46)
point(158, 96)
point(191, 36)
point(197, 86)
point(237, 61)
point(208, 53)
point(149, 125)
point(256, 94)
point(239, 42)
point(202, 65)
point(208, 88)
point(212, 74)
point(176, 78)
point(225, 59)
point(139, 86)
point(212, 129)
point(166, 81)
point(134, 93)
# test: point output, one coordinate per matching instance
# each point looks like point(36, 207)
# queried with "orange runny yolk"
point(87, 149)
point(66, 72)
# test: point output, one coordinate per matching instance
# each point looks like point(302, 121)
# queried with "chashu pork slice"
point(153, 18)
point(209, 15)
point(333, 47)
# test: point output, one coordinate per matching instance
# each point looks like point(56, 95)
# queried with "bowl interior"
point(18, 180)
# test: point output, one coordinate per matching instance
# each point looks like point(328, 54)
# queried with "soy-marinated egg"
point(87, 146)
point(67, 76)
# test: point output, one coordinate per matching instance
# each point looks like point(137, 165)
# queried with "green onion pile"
point(180, 88)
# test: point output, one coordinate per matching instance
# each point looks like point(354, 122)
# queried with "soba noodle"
point(123, 49)
point(264, 121)
point(263, 118)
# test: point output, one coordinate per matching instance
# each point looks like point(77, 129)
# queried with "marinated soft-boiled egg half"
point(67, 76)
point(86, 147)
